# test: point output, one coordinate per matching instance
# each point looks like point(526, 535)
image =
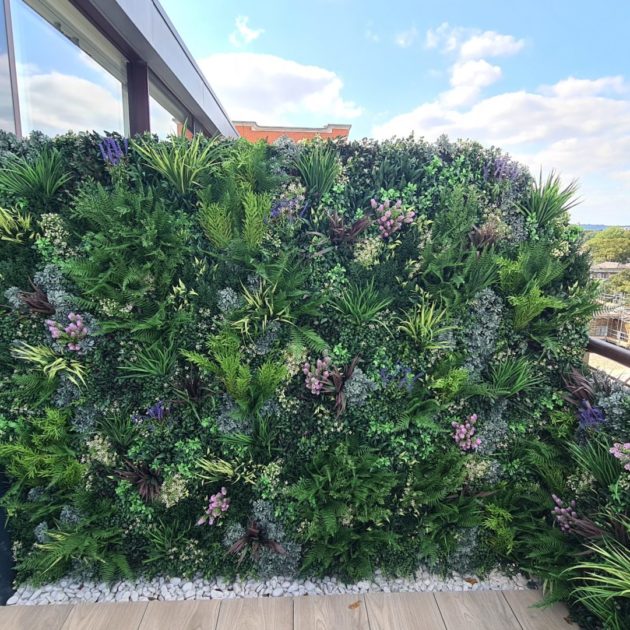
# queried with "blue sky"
point(549, 81)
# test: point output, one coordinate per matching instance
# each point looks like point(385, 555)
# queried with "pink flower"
point(464, 432)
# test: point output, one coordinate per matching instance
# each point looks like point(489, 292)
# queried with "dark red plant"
point(147, 482)
point(484, 236)
point(253, 542)
point(336, 383)
point(342, 234)
point(37, 300)
point(581, 388)
point(193, 386)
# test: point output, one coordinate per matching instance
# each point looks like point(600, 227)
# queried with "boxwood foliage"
point(327, 358)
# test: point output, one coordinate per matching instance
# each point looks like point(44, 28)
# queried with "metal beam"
point(138, 95)
point(12, 69)
point(148, 34)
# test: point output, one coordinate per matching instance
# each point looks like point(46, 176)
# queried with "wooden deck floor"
point(485, 610)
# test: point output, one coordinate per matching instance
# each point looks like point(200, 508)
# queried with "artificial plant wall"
point(220, 357)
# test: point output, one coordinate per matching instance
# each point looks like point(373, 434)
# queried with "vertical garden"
point(222, 358)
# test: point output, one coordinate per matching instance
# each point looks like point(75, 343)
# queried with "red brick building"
point(254, 132)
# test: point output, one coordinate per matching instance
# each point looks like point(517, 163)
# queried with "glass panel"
point(62, 81)
point(162, 122)
point(167, 116)
point(7, 122)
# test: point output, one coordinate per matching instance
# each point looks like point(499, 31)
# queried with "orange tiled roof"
point(254, 132)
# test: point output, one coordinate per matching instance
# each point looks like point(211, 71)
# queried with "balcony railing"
point(609, 351)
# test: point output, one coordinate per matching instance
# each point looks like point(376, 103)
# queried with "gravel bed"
point(169, 589)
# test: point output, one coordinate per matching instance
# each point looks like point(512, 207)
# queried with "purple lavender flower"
point(159, 411)
point(501, 168)
point(276, 209)
point(111, 151)
point(304, 210)
point(486, 171)
point(590, 417)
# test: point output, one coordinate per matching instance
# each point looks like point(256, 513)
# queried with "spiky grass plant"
point(38, 180)
point(186, 164)
point(51, 364)
point(146, 480)
point(513, 376)
point(427, 327)
point(361, 304)
point(155, 361)
point(319, 168)
point(548, 201)
point(16, 226)
point(603, 584)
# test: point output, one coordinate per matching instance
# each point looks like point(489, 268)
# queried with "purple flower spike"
point(111, 151)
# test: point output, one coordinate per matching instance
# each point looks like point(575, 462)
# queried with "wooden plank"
point(121, 616)
point(550, 618)
point(256, 613)
point(480, 610)
point(49, 617)
point(332, 612)
point(403, 611)
point(183, 615)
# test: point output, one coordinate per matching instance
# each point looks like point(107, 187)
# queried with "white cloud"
point(490, 44)
point(404, 39)
point(573, 87)
point(244, 34)
point(472, 43)
point(580, 127)
point(445, 37)
point(467, 80)
point(274, 90)
point(479, 73)
point(470, 72)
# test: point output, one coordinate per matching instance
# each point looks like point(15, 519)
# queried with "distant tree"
point(611, 244)
point(619, 283)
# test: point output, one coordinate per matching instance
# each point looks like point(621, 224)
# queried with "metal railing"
point(609, 351)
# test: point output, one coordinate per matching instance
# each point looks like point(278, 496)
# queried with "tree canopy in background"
point(610, 245)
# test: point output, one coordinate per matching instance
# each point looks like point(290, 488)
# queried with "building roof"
point(610, 265)
point(253, 131)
